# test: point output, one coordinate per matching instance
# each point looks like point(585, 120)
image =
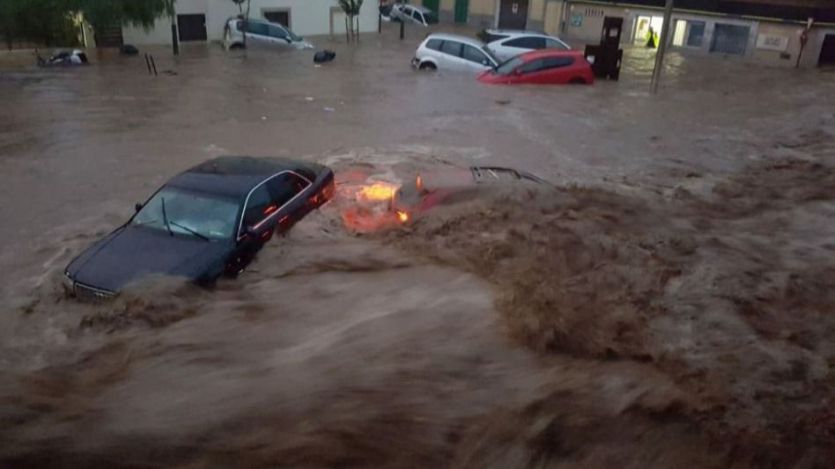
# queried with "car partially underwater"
point(432, 189)
point(204, 223)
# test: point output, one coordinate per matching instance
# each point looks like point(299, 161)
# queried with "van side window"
point(474, 55)
point(434, 44)
point(451, 48)
point(257, 28)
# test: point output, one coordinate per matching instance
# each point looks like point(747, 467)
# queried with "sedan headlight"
point(68, 283)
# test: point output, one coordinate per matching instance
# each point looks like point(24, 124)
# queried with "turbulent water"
point(667, 302)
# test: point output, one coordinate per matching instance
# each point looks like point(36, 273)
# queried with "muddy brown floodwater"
point(669, 302)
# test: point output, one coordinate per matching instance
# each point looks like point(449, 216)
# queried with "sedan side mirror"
point(137, 206)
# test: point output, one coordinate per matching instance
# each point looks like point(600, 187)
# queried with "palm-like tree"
point(352, 10)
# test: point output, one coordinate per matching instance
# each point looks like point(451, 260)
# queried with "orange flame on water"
point(379, 191)
point(402, 216)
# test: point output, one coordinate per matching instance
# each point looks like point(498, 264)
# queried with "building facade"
point(203, 20)
point(769, 31)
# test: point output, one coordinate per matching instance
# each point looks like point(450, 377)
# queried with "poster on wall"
point(576, 20)
point(771, 42)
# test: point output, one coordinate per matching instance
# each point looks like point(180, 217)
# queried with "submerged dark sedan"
point(208, 221)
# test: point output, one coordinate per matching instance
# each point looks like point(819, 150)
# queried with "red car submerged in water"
point(542, 67)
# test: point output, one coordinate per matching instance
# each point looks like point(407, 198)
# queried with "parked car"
point(413, 14)
point(547, 66)
point(208, 221)
point(506, 44)
point(260, 33)
point(430, 190)
point(450, 52)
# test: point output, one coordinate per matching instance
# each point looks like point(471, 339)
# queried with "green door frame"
point(432, 5)
point(462, 7)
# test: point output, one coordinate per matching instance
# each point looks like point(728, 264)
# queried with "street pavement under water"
point(669, 302)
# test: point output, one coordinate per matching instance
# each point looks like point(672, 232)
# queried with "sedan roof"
point(539, 53)
point(235, 176)
point(517, 32)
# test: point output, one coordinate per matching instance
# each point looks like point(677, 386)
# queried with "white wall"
point(307, 18)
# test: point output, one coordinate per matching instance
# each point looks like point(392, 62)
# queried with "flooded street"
point(668, 302)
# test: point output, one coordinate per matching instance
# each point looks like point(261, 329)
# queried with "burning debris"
point(373, 204)
point(365, 203)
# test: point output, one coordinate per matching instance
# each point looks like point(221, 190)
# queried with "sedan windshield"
point(508, 67)
point(189, 213)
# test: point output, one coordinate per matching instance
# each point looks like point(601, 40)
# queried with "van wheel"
point(428, 66)
point(577, 81)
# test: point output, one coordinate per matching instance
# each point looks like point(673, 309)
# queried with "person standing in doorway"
point(652, 42)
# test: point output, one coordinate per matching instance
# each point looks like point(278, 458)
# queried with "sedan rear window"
point(487, 37)
point(527, 42)
point(554, 44)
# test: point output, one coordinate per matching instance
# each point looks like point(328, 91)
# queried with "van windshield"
point(293, 36)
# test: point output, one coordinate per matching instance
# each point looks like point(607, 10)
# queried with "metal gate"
point(109, 35)
point(827, 56)
point(513, 14)
point(192, 27)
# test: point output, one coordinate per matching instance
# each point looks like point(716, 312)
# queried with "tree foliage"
point(40, 21)
point(352, 10)
point(101, 13)
point(52, 22)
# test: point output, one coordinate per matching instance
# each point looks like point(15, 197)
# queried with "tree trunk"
point(358, 28)
point(347, 31)
point(246, 22)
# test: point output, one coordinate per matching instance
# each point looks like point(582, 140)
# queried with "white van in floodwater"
point(260, 33)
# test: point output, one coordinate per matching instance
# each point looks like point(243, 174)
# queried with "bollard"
point(402, 28)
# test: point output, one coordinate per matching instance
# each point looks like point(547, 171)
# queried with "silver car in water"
point(260, 33)
point(452, 52)
point(416, 14)
point(506, 44)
